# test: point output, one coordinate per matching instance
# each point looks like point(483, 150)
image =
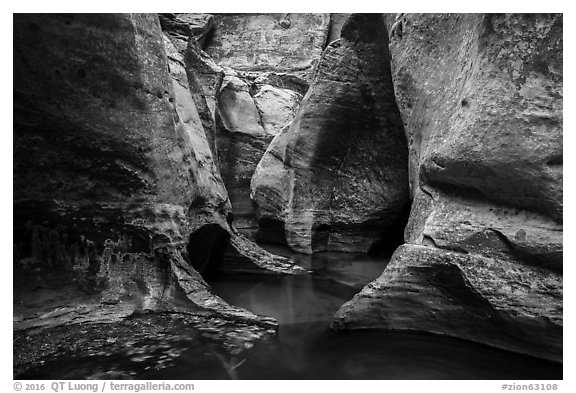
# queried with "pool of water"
point(306, 348)
point(157, 347)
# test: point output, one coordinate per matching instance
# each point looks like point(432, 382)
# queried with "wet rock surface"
point(481, 102)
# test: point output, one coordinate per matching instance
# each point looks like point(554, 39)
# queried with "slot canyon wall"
point(146, 147)
point(255, 70)
point(337, 177)
point(481, 101)
point(113, 173)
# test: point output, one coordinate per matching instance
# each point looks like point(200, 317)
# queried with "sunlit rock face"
point(481, 101)
point(337, 177)
point(112, 173)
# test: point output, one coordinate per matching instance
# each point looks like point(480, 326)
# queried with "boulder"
point(481, 102)
point(237, 109)
point(248, 117)
point(277, 107)
point(337, 178)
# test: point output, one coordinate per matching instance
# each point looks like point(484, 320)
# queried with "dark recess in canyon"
point(206, 249)
point(154, 153)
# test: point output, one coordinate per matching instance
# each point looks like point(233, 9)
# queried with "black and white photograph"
point(286, 196)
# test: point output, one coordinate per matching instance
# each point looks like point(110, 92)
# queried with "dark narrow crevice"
point(271, 231)
point(393, 237)
point(329, 33)
point(320, 237)
point(206, 248)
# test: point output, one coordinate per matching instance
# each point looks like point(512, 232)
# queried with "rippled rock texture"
point(337, 178)
point(481, 101)
point(112, 174)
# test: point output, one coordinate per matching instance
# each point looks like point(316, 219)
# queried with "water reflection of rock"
point(306, 348)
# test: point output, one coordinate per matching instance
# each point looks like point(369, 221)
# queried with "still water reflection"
point(307, 349)
point(154, 347)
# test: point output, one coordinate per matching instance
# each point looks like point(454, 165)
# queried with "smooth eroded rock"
point(499, 303)
point(249, 115)
point(112, 173)
point(337, 178)
point(481, 101)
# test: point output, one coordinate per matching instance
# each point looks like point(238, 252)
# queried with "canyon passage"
point(288, 196)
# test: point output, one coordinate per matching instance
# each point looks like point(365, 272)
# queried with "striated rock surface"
point(211, 188)
point(271, 187)
point(268, 60)
point(504, 304)
point(277, 107)
point(286, 43)
point(112, 174)
point(336, 179)
point(140, 139)
point(203, 75)
point(481, 101)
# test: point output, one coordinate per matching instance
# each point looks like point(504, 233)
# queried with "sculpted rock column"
point(337, 177)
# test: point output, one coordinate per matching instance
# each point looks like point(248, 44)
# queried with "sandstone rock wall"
point(252, 71)
point(248, 118)
point(481, 101)
point(283, 43)
point(181, 27)
point(112, 173)
point(336, 179)
point(126, 138)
